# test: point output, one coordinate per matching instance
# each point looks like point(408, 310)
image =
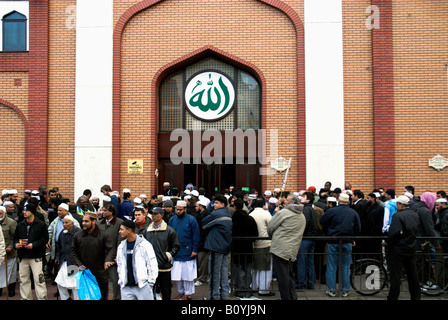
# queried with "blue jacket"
point(218, 227)
point(187, 230)
point(340, 221)
point(125, 210)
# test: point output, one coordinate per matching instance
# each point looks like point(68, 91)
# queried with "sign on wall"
point(209, 95)
point(135, 166)
point(438, 162)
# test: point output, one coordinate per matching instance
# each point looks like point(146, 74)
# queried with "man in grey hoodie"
point(286, 230)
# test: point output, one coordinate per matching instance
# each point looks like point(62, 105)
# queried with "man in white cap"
point(143, 197)
point(185, 263)
point(340, 221)
point(11, 210)
point(56, 227)
point(401, 249)
point(67, 270)
point(267, 196)
point(202, 212)
point(14, 197)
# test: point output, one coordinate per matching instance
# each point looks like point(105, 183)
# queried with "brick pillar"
point(383, 97)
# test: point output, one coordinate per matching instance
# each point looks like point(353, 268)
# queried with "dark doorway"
point(212, 177)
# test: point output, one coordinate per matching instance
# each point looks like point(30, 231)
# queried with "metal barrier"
point(363, 269)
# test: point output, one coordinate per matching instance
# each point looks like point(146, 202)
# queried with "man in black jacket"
point(93, 249)
point(166, 246)
point(401, 249)
point(30, 238)
point(306, 275)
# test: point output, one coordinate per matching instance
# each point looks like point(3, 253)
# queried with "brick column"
point(383, 97)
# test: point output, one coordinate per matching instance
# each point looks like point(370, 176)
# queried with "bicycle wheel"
point(433, 277)
point(368, 276)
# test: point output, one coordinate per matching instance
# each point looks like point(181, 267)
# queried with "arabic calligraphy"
point(208, 98)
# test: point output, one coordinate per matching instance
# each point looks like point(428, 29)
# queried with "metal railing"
point(367, 273)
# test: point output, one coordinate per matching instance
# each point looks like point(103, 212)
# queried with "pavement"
point(305, 295)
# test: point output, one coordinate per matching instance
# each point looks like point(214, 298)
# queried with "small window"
point(14, 32)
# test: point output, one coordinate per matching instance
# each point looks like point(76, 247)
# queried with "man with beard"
point(185, 264)
point(201, 213)
point(110, 224)
point(372, 225)
point(166, 246)
point(30, 238)
point(64, 278)
point(93, 249)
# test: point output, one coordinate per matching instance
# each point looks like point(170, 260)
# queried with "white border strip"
point(324, 93)
point(93, 113)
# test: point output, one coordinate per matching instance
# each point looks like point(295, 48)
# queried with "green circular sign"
point(209, 95)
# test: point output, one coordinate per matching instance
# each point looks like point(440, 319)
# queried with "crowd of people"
point(141, 246)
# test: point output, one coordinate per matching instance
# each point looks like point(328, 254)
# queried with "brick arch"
point(197, 55)
point(116, 84)
point(16, 109)
point(16, 158)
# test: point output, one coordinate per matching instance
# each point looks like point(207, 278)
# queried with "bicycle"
point(369, 276)
point(433, 272)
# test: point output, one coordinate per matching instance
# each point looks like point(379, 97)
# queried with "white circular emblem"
point(209, 95)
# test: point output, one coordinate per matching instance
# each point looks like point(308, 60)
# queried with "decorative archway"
point(117, 41)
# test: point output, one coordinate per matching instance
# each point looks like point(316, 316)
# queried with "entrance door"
point(172, 173)
point(248, 177)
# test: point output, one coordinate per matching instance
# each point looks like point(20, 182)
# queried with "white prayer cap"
point(273, 200)
point(4, 191)
point(137, 200)
point(27, 191)
point(187, 191)
point(343, 197)
point(126, 191)
point(2, 208)
point(116, 193)
point(106, 199)
point(181, 203)
point(64, 206)
point(12, 191)
point(268, 193)
point(332, 199)
point(409, 195)
point(277, 190)
point(441, 200)
point(227, 196)
point(204, 201)
point(69, 217)
point(187, 197)
point(143, 196)
point(195, 193)
point(34, 192)
point(296, 194)
point(252, 196)
point(165, 198)
point(7, 203)
point(403, 199)
point(377, 194)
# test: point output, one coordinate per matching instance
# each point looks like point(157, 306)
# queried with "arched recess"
point(300, 50)
point(13, 129)
point(193, 57)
